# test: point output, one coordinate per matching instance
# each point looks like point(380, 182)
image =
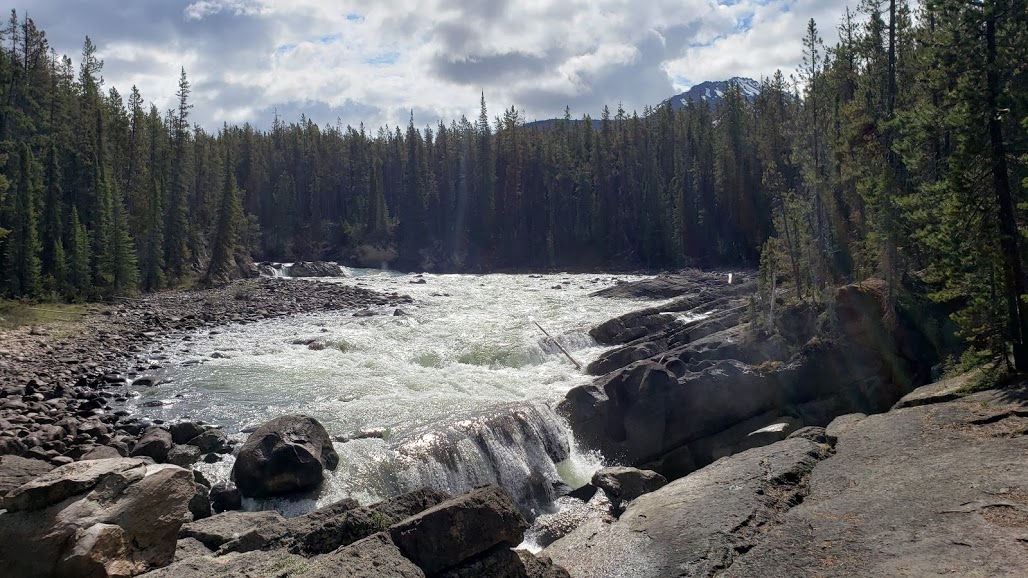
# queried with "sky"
point(378, 62)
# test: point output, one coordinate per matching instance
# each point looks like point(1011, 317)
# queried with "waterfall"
point(517, 447)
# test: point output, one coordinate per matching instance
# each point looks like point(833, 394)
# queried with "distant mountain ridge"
point(713, 90)
point(709, 92)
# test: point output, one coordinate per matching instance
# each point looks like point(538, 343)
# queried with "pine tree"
point(176, 231)
point(23, 244)
point(125, 279)
point(229, 223)
point(79, 283)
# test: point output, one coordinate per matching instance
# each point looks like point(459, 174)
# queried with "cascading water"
point(453, 391)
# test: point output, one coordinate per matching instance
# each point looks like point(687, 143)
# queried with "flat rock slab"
point(16, 471)
point(930, 490)
point(218, 530)
point(938, 392)
point(373, 557)
point(694, 525)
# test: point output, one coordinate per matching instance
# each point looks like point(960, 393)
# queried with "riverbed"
point(453, 390)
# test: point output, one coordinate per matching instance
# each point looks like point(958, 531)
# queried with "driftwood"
point(565, 351)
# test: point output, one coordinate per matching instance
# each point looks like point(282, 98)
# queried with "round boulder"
point(286, 455)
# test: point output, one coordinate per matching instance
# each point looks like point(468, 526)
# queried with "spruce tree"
point(226, 234)
point(23, 246)
point(79, 284)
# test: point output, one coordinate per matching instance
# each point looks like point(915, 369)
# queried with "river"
point(453, 391)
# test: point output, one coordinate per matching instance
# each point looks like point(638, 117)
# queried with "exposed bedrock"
point(713, 386)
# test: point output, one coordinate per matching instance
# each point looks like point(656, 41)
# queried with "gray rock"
point(116, 517)
point(812, 433)
point(626, 484)
point(842, 424)
point(345, 522)
point(217, 530)
point(459, 529)
point(316, 269)
point(190, 548)
point(212, 440)
point(101, 453)
point(183, 431)
point(155, 443)
point(200, 504)
point(939, 392)
point(183, 456)
point(15, 471)
point(926, 491)
point(225, 497)
point(502, 562)
point(286, 455)
point(696, 525)
point(373, 557)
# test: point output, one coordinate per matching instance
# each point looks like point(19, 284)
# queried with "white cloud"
point(377, 61)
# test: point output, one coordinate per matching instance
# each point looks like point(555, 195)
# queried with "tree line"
point(900, 151)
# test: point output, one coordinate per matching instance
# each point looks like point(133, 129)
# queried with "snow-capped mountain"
point(712, 91)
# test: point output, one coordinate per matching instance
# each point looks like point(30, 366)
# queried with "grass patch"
point(14, 314)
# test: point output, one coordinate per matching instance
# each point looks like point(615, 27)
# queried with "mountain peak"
point(711, 91)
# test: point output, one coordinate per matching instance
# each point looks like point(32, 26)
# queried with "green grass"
point(14, 314)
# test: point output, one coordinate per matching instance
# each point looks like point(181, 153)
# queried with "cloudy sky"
point(376, 61)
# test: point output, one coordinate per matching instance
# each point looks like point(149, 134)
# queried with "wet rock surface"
point(286, 455)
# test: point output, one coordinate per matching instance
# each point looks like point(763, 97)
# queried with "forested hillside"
point(900, 150)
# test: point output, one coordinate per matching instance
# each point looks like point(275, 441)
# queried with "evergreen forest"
point(901, 152)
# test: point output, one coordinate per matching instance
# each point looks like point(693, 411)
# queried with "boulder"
point(101, 453)
point(286, 455)
point(183, 456)
point(212, 440)
point(459, 529)
point(842, 424)
point(502, 562)
point(316, 269)
point(156, 443)
point(183, 431)
point(623, 484)
point(225, 497)
point(373, 557)
point(200, 504)
point(220, 529)
point(345, 522)
point(114, 517)
point(16, 471)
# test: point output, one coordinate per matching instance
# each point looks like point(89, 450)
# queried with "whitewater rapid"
point(453, 390)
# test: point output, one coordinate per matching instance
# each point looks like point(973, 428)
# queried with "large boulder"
point(218, 530)
point(316, 269)
point(16, 471)
point(345, 522)
point(156, 443)
point(114, 517)
point(459, 529)
point(373, 557)
point(289, 454)
point(623, 484)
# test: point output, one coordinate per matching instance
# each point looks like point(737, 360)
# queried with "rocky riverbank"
point(756, 454)
point(58, 382)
